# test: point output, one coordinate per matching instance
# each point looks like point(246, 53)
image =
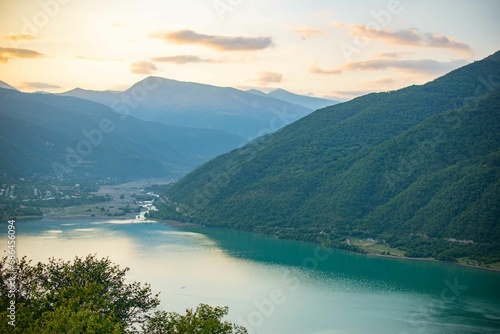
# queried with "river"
point(277, 286)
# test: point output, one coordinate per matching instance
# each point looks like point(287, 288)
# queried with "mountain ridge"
point(197, 105)
point(310, 102)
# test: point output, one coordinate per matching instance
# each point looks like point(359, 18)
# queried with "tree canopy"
point(91, 295)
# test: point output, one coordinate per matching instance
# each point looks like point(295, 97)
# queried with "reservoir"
point(277, 286)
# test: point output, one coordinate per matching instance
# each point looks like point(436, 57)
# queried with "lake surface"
point(275, 286)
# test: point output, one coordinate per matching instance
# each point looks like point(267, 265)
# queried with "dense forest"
point(416, 169)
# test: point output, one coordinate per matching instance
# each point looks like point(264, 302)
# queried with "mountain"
point(6, 85)
point(107, 97)
point(309, 102)
point(417, 168)
point(197, 105)
point(71, 137)
point(256, 92)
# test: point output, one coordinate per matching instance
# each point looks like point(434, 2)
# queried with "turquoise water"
point(276, 286)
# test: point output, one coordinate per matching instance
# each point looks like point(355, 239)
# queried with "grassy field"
point(376, 248)
point(469, 262)
point(97, 209)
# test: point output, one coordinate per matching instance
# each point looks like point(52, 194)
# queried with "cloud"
point(418, 66)
point(348, 94)
point(19, 37)
point(415, 66)
point(222, 43)
point(305, 33)
point(7, 54)
point(316, 70)
point(442, 41)
point(405, 36)
point(412, 37)
point(39, 85)
point(143, 67)
point(183, 59)
point(390, 55)
point(381, 82)
point(265, 78)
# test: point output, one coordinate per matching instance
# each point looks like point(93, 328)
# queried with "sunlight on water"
point(275, 286)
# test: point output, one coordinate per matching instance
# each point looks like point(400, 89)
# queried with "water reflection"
point(276, 286)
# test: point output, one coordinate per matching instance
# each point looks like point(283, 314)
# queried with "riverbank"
point(497, 269)
point(367, 247)
point(125, 195)
point(373, 248)
point(177, 224)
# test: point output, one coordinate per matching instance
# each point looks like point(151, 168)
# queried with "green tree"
point(90, 295)
point(87, 295)
point(204, 320)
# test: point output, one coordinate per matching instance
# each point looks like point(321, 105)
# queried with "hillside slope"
point(413, 167)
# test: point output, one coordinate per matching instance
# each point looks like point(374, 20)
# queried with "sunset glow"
point(335, 49)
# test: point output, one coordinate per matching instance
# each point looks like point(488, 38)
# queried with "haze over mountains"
point(412, 167)
point(197, 105)
point(43, 131)
point(75, 138)
point(310, 102)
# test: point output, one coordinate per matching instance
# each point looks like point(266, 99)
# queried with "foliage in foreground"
point(204, 320)
point(90, 295)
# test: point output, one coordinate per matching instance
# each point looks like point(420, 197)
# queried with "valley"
point(249, 167)
point(378, 168)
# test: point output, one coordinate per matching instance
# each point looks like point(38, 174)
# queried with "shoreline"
point(84, 217)
point(178, 224)
point(175, 223)
point(431, 260)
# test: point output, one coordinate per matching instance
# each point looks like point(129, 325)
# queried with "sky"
point(323, 48)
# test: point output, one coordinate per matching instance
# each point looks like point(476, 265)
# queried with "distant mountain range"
point(75, 138)
point(198, 122)
point(106, 97)
point(417, 168)
point(309, 102)
point(197, 105)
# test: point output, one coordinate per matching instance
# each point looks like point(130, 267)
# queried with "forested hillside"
point(416, 168)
